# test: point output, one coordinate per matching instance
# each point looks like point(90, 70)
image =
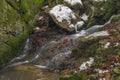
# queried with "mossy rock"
point(15, 23)
point(117, 70)
point(100, 12)
point(63, 25)
point(116, 19)
point(69, 22)
point(118, 6)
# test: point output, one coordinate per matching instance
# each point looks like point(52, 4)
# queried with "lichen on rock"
point(65, 18)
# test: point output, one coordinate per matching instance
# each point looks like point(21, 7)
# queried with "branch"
point(11, 4)
point(18, 9)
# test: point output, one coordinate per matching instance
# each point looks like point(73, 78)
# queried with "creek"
point(45, 63)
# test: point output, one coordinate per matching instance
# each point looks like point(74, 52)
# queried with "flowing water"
point(44, 63)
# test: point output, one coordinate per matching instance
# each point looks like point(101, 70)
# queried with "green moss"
point(118, 6)
point(75, 53)
point(86, 47)
point(116, 19)
point(14, 15)
point(13, 19)
point(102, 13)
point(13, 49)
point(92, 47)
point(76, 76)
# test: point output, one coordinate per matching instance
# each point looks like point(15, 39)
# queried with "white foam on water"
point(39, 66)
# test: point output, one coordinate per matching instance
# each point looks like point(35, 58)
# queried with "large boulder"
point(65, 18)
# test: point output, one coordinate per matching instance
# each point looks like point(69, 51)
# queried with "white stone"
point(40, 18)
point(86, 64)
point(101, 71)
point(37, 28)
point(74, 2)
point(99, 0)
point(107, 45)
point(101, 78)
point(117, 44)
point(84, 17)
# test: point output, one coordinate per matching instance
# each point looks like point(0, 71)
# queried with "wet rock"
point(58, 61)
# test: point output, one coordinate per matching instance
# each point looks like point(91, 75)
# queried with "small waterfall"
point(109, 21)
point(81, 33)
point(24, 53)
point(90, 30)
point(44, 49)
point(76, 29)
point(96, 28)
point(71, 38)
